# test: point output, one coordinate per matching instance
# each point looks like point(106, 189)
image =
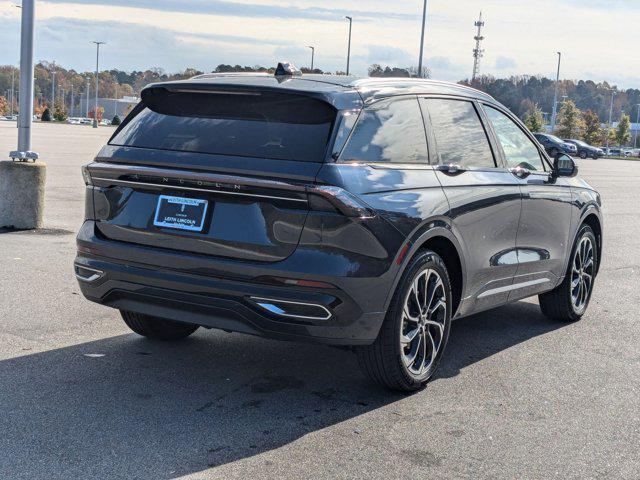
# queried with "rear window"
point(248, 124)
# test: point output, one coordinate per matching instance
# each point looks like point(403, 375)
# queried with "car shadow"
point(125, 407)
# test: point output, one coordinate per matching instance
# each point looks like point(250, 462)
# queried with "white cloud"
point(521, 37)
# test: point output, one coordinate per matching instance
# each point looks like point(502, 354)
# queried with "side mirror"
point(565, 166)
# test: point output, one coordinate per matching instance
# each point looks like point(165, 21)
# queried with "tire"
point(583, 155)
point(156, 328)
point(595, 156)
point(560, 304)
point(384, 362)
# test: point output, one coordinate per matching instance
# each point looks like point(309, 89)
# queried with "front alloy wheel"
point(582, 274)
point(568, 302)
point(416, 328)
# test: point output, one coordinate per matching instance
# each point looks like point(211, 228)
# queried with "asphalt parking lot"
point(518, 396)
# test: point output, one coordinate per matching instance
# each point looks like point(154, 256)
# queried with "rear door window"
point(459, 134)
point(388, 132)
point(519, 150)
point(248, 124)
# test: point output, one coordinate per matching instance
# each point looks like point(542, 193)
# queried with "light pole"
point(635, 138)
point(349, 49)
point(22, 183)
point(13, 87)
point(72, 102)
point(115, 102)
point(554, 115)
point(53, 91)
point(313, 55)
point(613, 94)
point(87, 103)
point(424, 26)
point(95, 111)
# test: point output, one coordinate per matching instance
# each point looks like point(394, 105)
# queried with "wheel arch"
point(441, 241)
point(593, 220)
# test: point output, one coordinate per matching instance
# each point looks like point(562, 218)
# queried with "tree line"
point(529, 97)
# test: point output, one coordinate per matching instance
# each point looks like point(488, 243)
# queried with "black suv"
point(584, 150)
point(555, 146)
point(367, 213)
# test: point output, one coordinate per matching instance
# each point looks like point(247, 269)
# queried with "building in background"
point(112, 107)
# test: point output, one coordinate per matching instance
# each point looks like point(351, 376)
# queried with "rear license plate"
point(181, 213)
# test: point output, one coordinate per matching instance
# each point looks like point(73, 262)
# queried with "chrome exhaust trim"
point(286, 308)
point(86, 274)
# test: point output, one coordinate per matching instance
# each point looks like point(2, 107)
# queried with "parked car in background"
point(86, 121)
point(585, 150)
point(619, 152)
point(555, 146)
point(74, 121)
point(317, 209)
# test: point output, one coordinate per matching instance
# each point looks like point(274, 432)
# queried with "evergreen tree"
point(116, 121)
point(570, 122)
point(592, 129)
point(534, 119)
point(46, 115)
point(623, 131)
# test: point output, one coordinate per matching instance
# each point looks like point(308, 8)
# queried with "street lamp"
point(23, 185)
point(313, 54)
point(554, 115)
point(87, 103)
point(53, 90)
point(349, 49)
point(424, 26)
point(95, 112)
point(613, 94)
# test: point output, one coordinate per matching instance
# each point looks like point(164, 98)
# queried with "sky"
point(598, 38)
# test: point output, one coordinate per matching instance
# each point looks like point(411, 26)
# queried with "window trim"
point(390, 165)
point(434, 159)
point(546, 164)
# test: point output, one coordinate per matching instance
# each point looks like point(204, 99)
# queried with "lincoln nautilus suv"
point(367, 213)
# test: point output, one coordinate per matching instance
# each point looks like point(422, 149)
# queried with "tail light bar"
point(341, 200)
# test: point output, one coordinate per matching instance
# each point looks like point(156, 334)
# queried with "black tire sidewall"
point(423, 261)
point(585, 230)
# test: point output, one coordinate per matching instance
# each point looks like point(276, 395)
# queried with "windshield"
point(249, 124)
point(555, 139)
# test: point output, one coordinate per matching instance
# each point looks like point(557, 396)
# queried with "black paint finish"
point(348, 228)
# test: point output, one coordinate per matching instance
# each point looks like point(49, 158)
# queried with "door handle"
point(520, 172)
point(451, 169)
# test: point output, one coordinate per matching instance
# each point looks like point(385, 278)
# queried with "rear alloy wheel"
point(583, 155)
point(415, 332)
point(157, 328)
point(569, 301)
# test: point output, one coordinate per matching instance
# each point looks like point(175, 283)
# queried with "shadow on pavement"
point(127, 407)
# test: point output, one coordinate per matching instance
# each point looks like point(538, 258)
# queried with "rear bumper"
point(226, 300)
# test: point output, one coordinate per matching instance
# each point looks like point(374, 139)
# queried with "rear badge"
point(181, 213)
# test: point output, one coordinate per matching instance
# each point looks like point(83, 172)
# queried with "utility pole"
point(22, 183)
point(424, 26)
point(613, 94)
point(53, 90)
point(313, 54)
point(95, 112)
point(115, 102)
point(635, 138)
point(13, 87)
point(349, 49)
point(554, 114)
point(478, 52)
